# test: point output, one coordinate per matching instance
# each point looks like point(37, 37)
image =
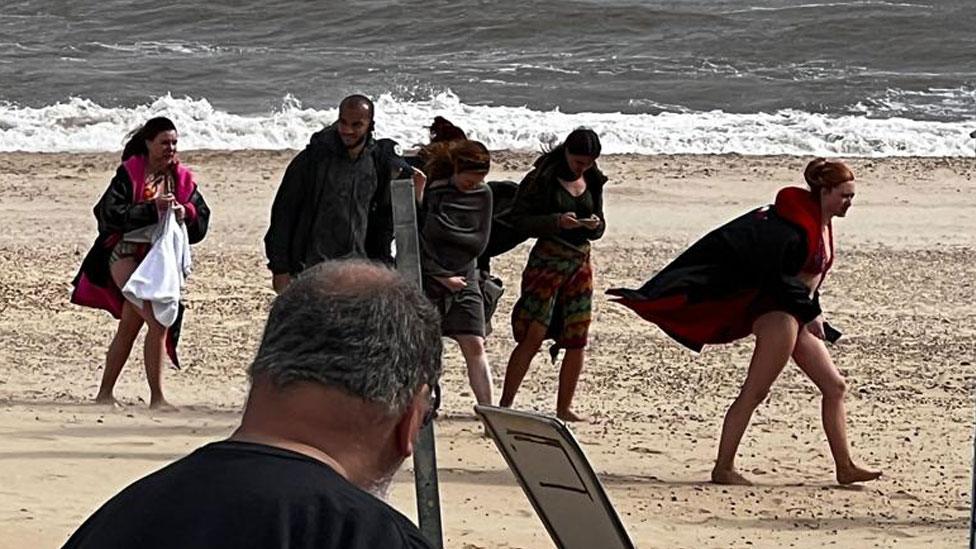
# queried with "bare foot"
point(729, 477)
point(107, 400)
point(853, 473)
point(569, 415)
point(162, 406)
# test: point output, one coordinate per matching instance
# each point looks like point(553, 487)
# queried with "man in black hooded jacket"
point(334, 199)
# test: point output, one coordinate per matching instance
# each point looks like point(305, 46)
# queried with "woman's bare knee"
point(753, 397)
point(834, 388)
point(471, 343)
point(155, 328)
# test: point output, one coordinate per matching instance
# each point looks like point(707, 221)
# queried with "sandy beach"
point(901, 291)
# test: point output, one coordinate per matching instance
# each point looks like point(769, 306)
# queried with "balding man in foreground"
point(340, 387)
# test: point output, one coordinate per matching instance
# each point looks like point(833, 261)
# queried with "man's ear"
point(412, 420)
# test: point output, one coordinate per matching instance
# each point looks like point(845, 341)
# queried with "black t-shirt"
point(237, 495)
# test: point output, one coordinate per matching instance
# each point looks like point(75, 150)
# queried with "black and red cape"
point(714, 291)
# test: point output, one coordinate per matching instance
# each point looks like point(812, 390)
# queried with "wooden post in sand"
point(424, 455)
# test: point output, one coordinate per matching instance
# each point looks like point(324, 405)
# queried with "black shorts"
point(462, 312)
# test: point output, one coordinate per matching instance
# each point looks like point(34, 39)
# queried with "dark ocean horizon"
point(866, 78)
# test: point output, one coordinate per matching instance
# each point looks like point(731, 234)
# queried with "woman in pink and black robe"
point(149, 182)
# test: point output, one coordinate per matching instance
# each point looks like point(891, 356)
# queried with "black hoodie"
point(331, 206)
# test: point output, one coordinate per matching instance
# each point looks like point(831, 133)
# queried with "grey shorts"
point(462, 312)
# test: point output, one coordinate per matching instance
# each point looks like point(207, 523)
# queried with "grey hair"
point(356, 326)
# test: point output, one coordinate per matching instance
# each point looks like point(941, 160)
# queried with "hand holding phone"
point(591, 222)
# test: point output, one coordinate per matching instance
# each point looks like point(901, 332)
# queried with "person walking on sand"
point(454, 226)
point(148, 185)
point(559, 202)
point(334, 199)
point(761, 273)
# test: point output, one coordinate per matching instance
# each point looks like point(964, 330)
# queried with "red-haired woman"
point(149, 182)
point(761, 274)
point(454, 226)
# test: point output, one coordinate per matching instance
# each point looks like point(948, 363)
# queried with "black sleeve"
point(197, 229)
point(115, 211)
point(597, 193)
point(284, 215)
point(379, 228)
point(528, 211)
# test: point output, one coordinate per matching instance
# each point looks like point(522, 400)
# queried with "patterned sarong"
point(557, 292)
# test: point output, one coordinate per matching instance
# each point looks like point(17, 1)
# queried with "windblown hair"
point(446, 158)
point(136, 145)
point(822, 174)
point(356, 326)
point(444, 130)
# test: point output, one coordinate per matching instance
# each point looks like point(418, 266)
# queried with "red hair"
point(446, 158)
point(826, 174)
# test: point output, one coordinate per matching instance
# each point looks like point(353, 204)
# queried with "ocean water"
point(848, 78)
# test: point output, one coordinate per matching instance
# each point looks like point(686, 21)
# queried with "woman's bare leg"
point(811, 355)
point(118, 352)
point(479, 373)
point(519, 361)
point(125, 334)
point(154, 350)
point(568, 377)
point(775, 338)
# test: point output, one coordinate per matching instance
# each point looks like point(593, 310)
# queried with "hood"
point(800, 207)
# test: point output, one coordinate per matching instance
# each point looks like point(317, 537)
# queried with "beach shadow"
point(96, 455)
point(888, 526)
point(100, 431)
point(139, 409)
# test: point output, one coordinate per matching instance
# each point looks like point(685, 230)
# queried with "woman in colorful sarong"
point(149, 183)
point(559, 202)
point(761, 274)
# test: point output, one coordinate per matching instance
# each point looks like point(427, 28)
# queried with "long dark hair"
point(444, 130)
point(138, 137)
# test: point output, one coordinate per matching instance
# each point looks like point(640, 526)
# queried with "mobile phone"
point(831, 334)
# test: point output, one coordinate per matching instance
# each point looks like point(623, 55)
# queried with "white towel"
point(160, 277)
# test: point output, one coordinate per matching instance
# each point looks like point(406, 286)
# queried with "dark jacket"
point(535, 212)
point(715, 289)
point(320, 213)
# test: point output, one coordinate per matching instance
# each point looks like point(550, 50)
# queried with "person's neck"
point(313, 420)
point(156, 166)
point(357, 151)
point(824, 219)
point(256, 436)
